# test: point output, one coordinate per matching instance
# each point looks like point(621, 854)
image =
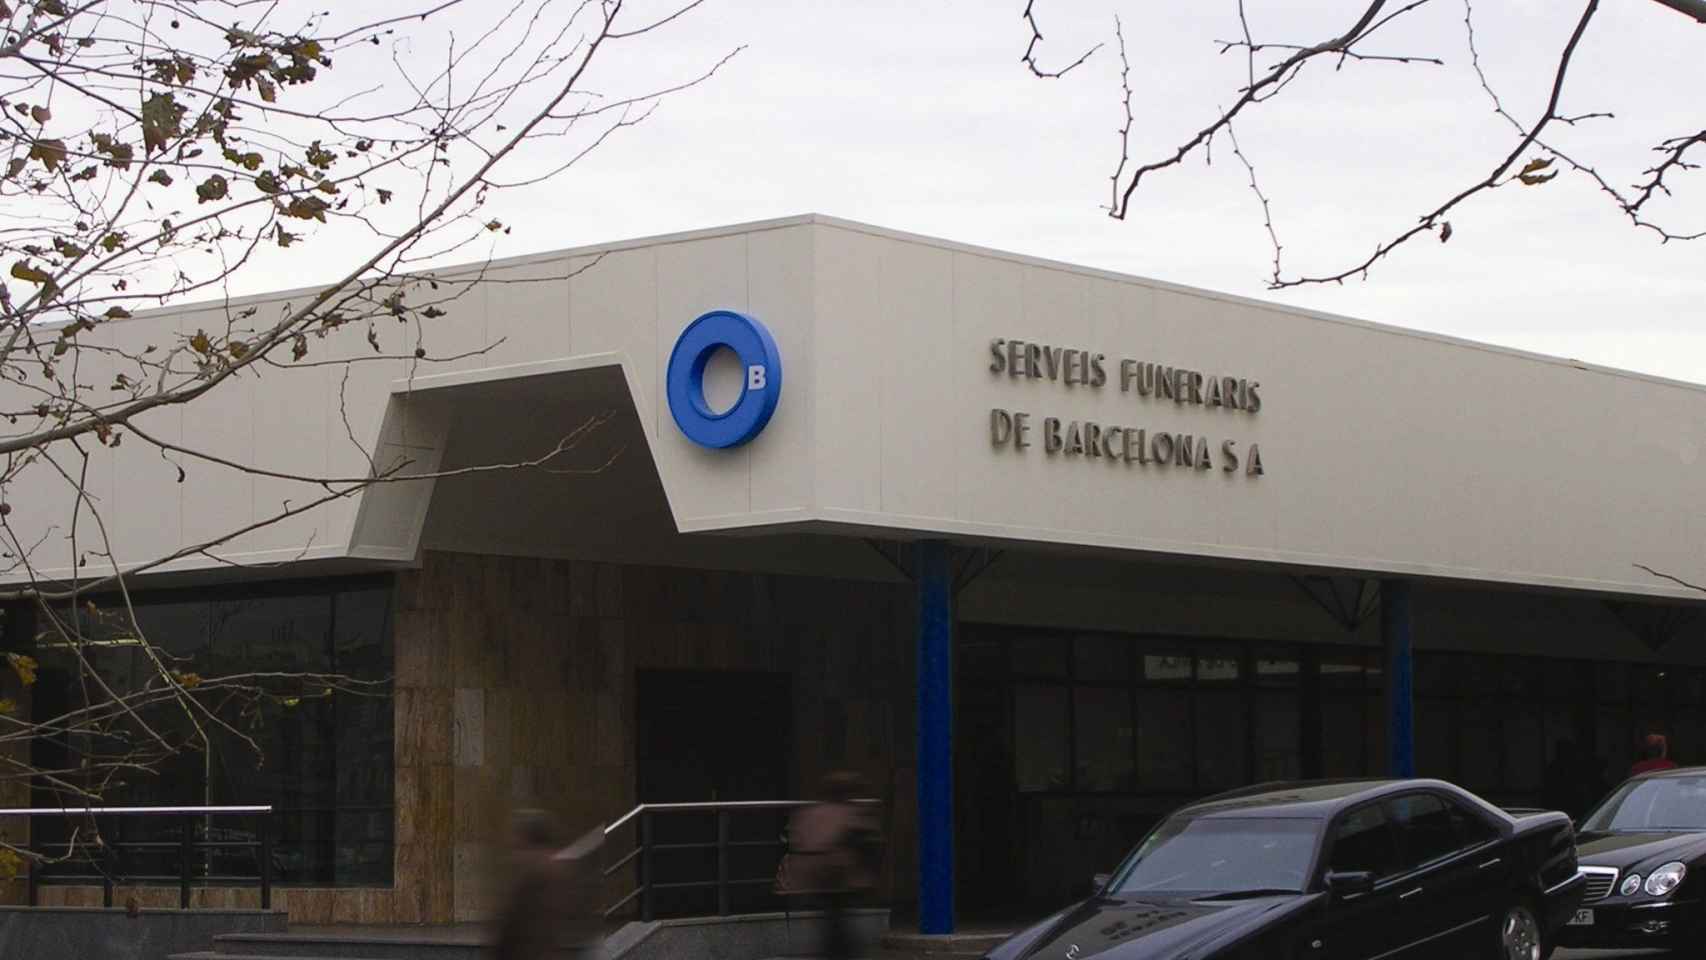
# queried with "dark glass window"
point(1612, 682)
point(1167, 667)
point(1277, 671)
point(1040, 655)
point(1365, 840)
point(1103, 728)
point(1105, 713)
point(1433, 733)
point(1343, 671)
point(1219, 666)
point(1222, 727)
point(1040, 724)
point(1479, 744)
point(1425, 829)
point(1164, 751)
point(1102, 660)
point(1343, 730)
point(322, 757)
point(1525, 748)
point(1472, 828)
point(1278, 731)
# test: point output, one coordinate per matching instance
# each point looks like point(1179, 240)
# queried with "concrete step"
point(424, 944)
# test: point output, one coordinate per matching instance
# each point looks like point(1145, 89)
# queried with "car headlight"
point(1631, 885)
point(1666, 879)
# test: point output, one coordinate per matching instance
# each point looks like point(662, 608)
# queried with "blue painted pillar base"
point(1395, 637)
point(933, 575)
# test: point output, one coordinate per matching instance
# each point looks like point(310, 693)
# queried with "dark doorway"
point(714, 736)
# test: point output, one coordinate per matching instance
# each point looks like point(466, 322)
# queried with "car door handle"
point(1491, 863)
point(1409, 893)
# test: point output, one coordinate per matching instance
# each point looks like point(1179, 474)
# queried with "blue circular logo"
point(762, 366)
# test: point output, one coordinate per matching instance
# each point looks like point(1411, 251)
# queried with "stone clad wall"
point(515, 684)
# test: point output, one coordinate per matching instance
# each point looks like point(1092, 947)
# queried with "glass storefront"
point(1074, 744)
point(322, 757)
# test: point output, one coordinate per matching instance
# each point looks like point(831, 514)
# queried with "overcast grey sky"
point(919, 116)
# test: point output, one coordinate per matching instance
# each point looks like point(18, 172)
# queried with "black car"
point(1412, 869)
point(1644, 853)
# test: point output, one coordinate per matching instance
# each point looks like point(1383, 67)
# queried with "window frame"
point(1330, 841)
point(1454, 811)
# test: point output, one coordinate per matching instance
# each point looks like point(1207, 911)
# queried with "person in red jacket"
point(1655, 752)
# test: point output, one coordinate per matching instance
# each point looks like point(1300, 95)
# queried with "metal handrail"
point(186, 846)
point(125, 811)
point(645, 847)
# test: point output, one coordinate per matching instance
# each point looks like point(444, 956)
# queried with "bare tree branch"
point(1688, 8)
point(1677, 154)
point(1665, 576)
point(1030, 57)
point(1428, 221)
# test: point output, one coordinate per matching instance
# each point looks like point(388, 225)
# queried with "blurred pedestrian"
point(580, 870)
point(1655, 752)
point(833, 852)
point(549, 908)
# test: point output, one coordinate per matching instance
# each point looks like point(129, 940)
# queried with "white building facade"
point(1041, 551)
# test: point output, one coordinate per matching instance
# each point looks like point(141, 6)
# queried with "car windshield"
point(1663, 803)
point(1220, 855)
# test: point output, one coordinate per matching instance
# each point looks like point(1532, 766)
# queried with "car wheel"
point(1519, 935)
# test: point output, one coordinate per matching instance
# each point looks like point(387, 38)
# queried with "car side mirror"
point(1099, 882)
point(1348, 884)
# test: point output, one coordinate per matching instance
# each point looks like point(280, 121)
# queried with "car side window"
point(1365, 840)
point(1425, 829)
point(1472, 829)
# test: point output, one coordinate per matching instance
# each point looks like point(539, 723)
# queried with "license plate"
point(1583, 918)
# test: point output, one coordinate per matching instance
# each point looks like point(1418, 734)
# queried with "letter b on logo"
point(755, 378)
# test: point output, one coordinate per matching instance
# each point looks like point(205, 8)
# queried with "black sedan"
point(1411, 869)
point(1644, 853)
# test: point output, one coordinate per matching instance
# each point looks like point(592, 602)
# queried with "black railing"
point(739, 866)
point(109, 859)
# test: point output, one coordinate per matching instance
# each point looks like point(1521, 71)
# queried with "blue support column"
point(932, 573)
point(1395, 636)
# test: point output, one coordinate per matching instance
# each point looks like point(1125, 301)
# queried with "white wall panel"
point(854, 332)
point(988, 300)
point(613, 308)
point(527, 312)
point(148, 505)
point(915, 319)
point(292, 409)
point(780, 272)
point(85, 533)
point(217, 499)
point(696, 276)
